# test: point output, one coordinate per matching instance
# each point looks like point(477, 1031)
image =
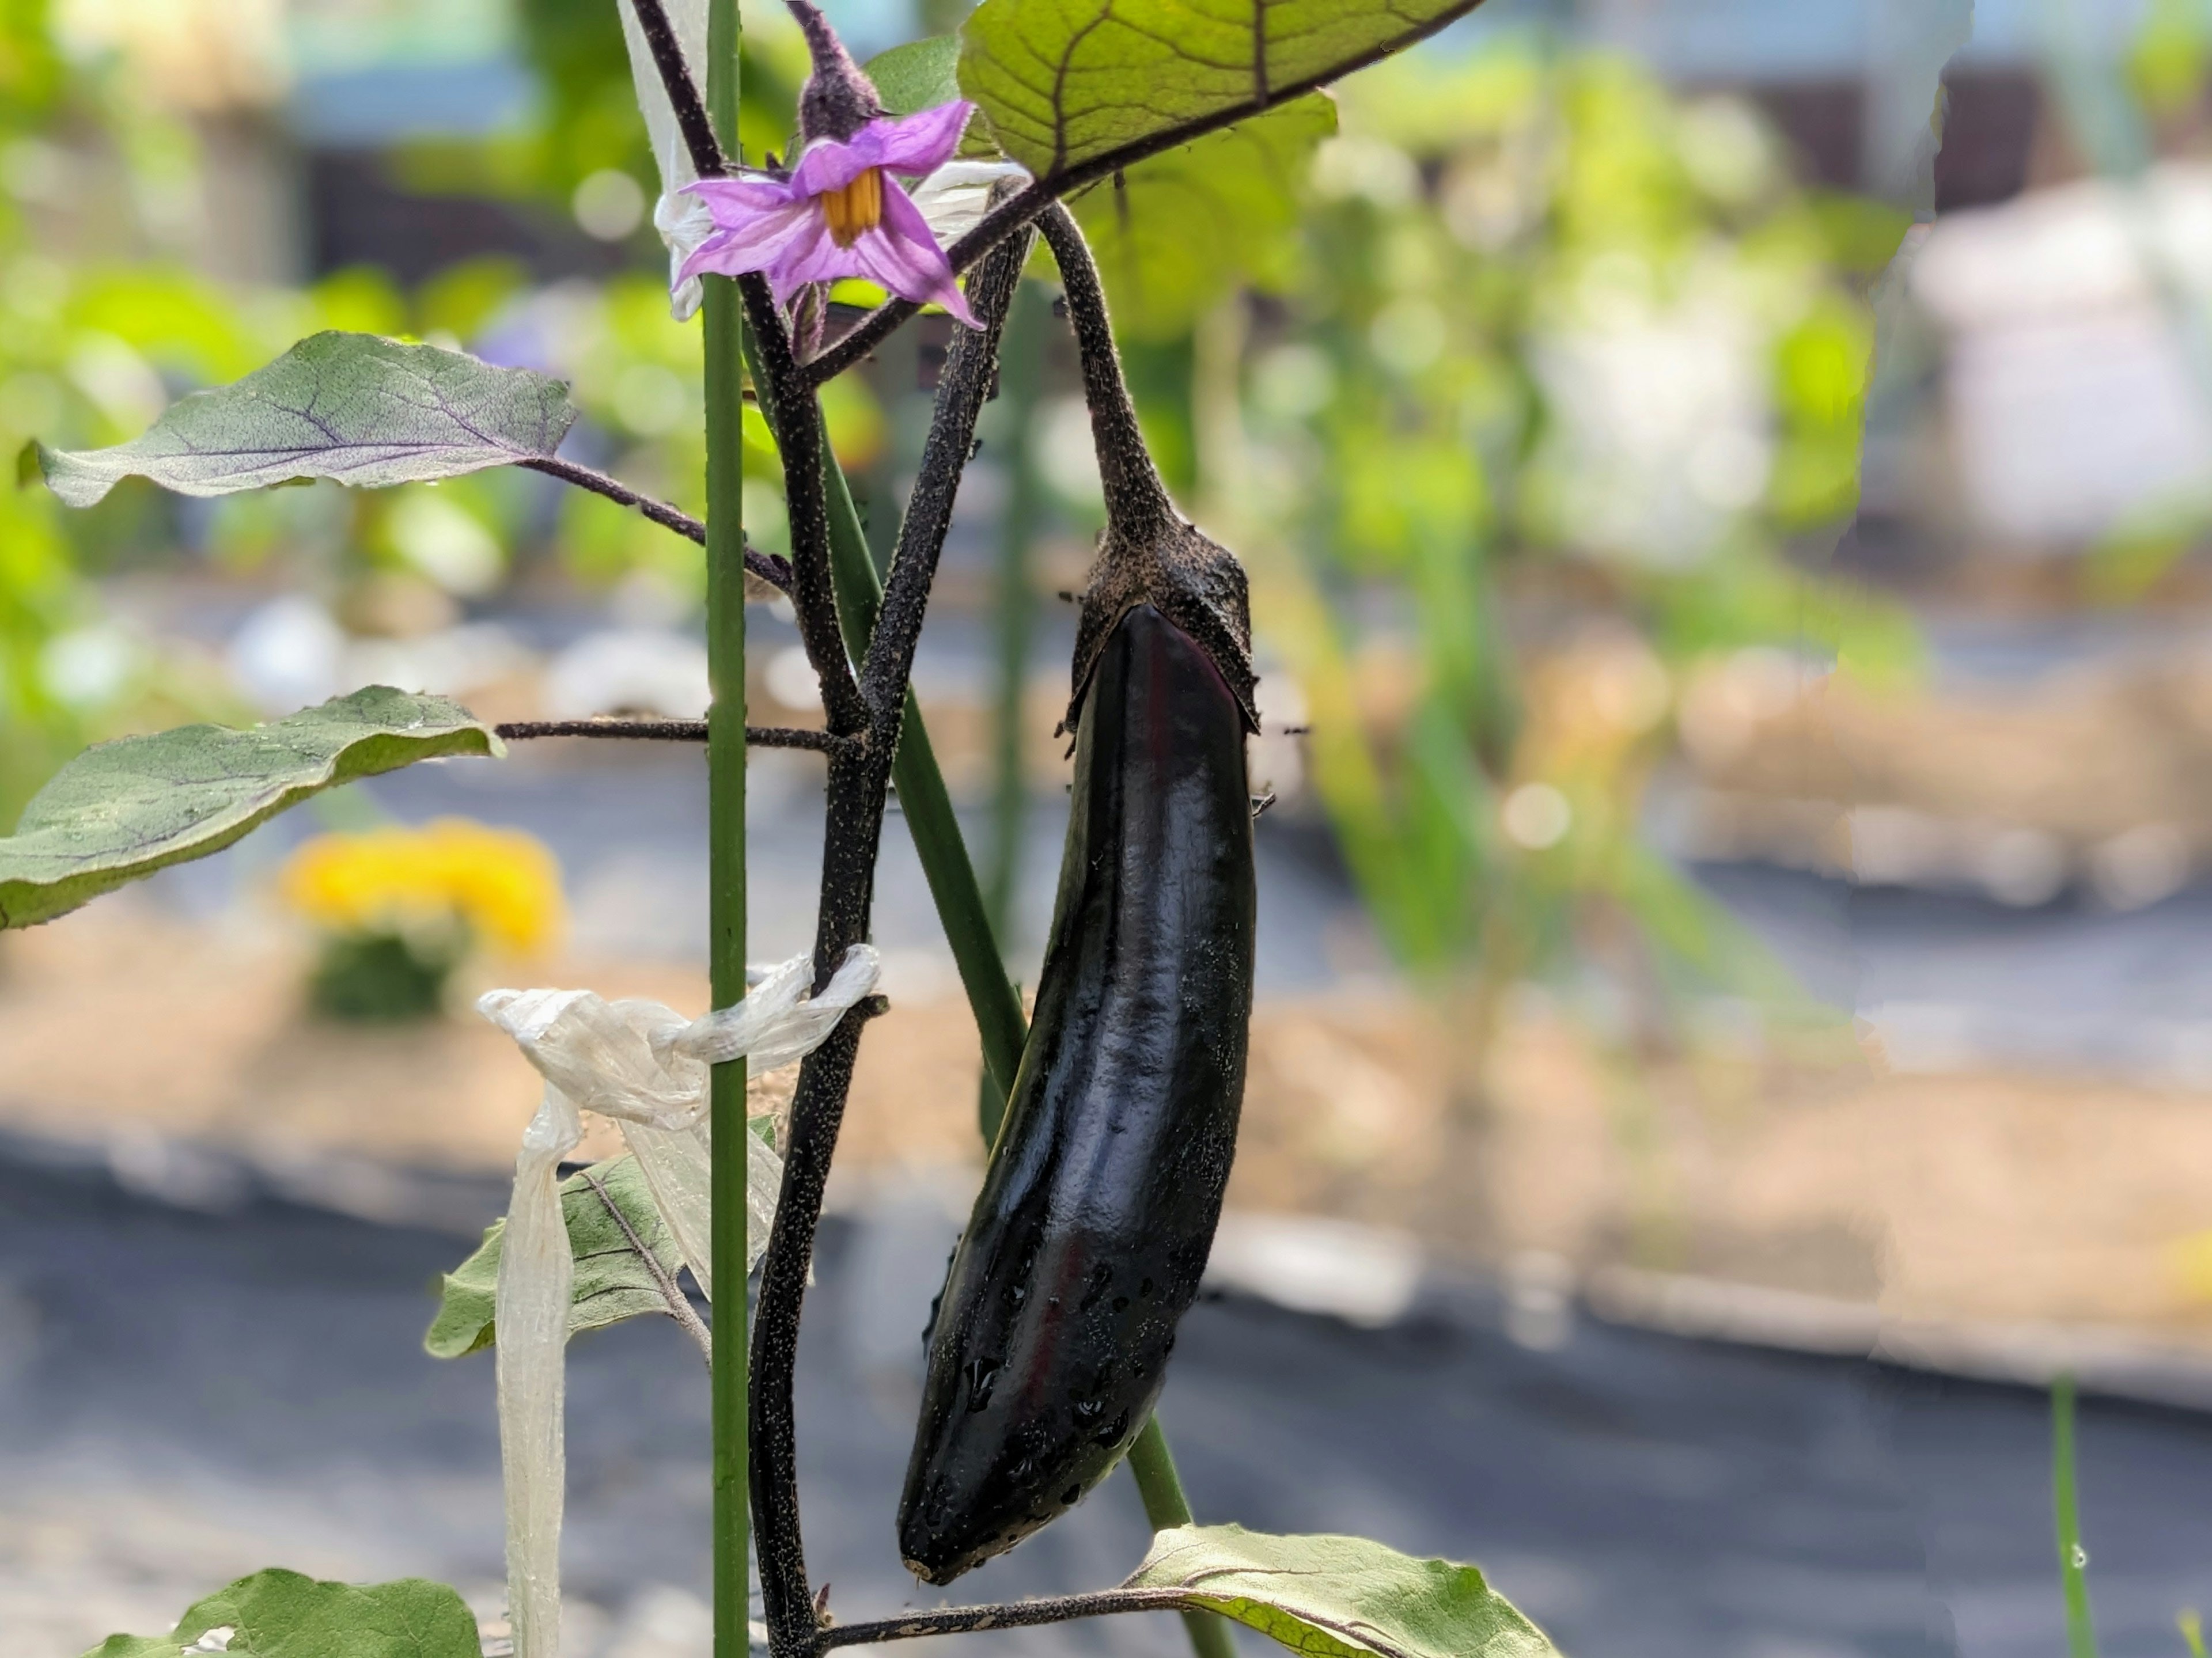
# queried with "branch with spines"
point(767, 567)
point(1009, 1614)
point(794, 416)
point(858, 785)
point(672, 731)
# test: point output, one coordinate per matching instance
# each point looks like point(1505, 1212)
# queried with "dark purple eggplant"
point(1051, 1339)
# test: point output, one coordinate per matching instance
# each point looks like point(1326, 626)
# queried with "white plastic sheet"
point(643, 1065)
point(683, 221)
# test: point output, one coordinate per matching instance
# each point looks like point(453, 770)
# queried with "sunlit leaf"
point(1340, 1597)
point(1174, 233)
point(609, 1213)
point(921, 75)
point(1074, 88)
point(364, 410)
point(283, 1614)
point(122, 809)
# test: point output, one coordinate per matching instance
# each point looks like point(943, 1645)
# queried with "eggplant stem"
point(692, 120)
point(795, 415)
point(1136, 497)
point(1012, 1614)
point(860, 776)
point(670, 730)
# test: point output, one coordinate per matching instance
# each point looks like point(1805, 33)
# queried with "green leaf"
point(122, 809)
point(1076, 88)
point(921, 75)
point(614, 1281)
point(283, 1614)
point(1340, 1597)
point(1175, 232)
point(364, 410)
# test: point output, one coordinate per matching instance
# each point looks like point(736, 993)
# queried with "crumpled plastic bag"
point(644, 1064)
point(683, 221)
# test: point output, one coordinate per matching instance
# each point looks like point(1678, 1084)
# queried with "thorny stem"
point(1015, 1614)
point(670, 730)
point(691, 119)
point(968, 373)
point(858, 780)
point(789, 404)
point(767, 566)
point(679, 1304)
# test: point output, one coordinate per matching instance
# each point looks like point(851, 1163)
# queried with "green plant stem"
point(959, 896)
point(726, 796)
point(1165, 1505)
point(1021, 377)
point(927, 805)
point(2073, 1560)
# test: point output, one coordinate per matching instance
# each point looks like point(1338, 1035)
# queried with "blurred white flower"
point(287, 655)
point(87, 667)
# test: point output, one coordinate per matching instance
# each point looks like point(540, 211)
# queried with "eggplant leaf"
point(922, 73)
point(1339, 1597)
point(1173, 234)
point(1075, 89)
point(122, 809)
point(362, 410)
point(615, 1279)
point(283, 1614)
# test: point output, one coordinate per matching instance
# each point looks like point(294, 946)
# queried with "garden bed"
point(1969, 1199)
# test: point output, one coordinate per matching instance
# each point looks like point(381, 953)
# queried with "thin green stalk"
point(2073, 1559)
point(1165, 1505)
point(1021, 379)
point(1021, 376)
point(726, 857)
point(959, 898)
point(927, 805)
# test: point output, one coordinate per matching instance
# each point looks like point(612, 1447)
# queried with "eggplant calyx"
point(1189, 579)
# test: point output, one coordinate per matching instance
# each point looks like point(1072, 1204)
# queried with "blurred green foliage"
point(1535, 388)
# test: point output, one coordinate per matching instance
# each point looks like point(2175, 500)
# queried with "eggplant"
point(1050, 1342)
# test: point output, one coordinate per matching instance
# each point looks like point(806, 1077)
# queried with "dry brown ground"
point(1981, 1197)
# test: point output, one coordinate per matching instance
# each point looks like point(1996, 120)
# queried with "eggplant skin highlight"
point(1051, 1339)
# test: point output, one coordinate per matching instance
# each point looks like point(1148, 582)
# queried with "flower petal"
point(830, 165)
point(759, 242)
point(815, 258)
point(955, 197)
point(727, 198)
point(902, 255)
point(921, 143)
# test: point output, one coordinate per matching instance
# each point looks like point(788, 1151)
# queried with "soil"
point(1979, 1196)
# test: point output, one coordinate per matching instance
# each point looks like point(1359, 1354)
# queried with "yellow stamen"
point(856, 207)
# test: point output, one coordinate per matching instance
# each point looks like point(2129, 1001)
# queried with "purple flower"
point(836, 215)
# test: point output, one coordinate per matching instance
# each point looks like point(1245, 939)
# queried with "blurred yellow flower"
point(502, 885)
point(2192, 1260)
